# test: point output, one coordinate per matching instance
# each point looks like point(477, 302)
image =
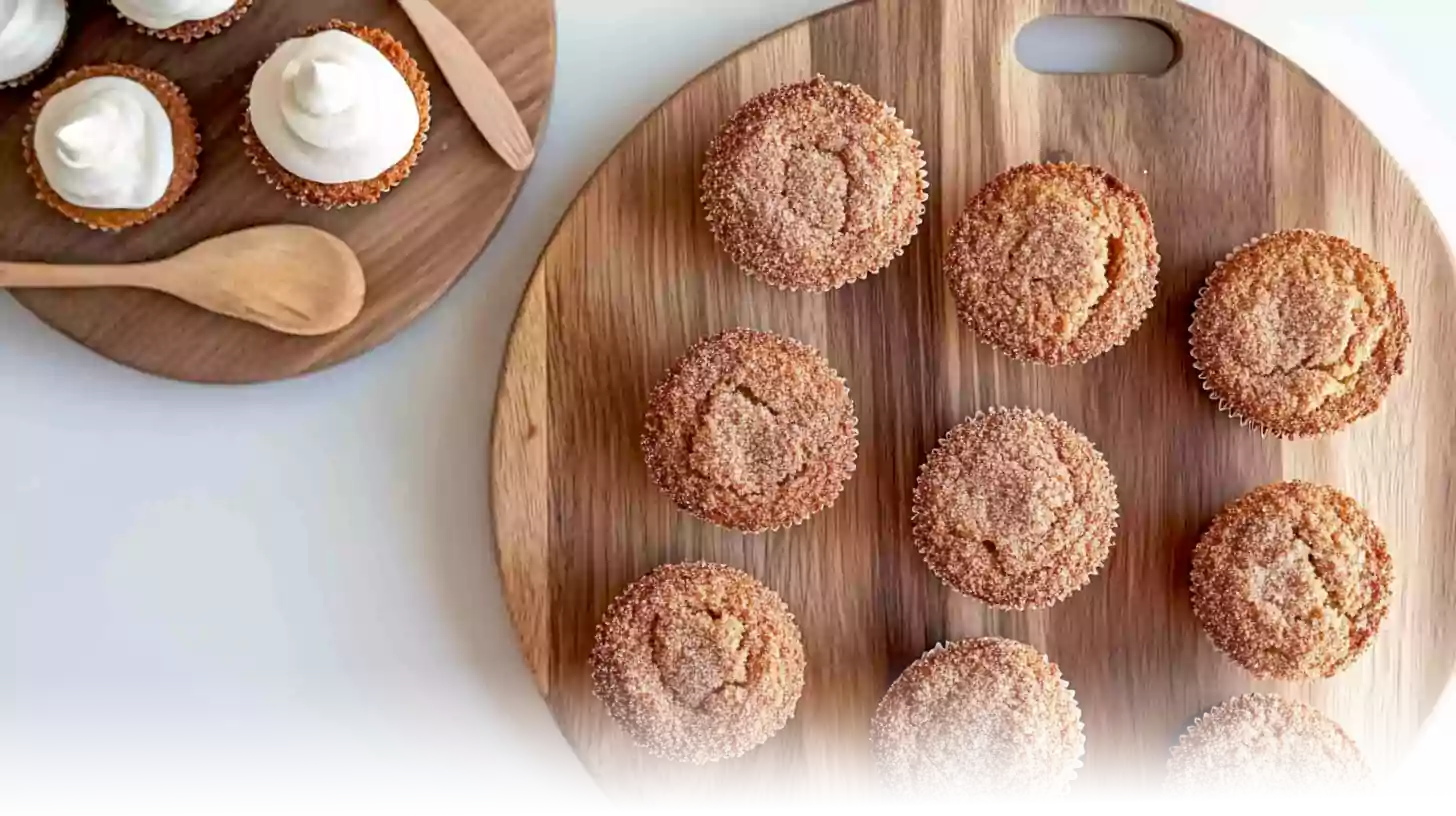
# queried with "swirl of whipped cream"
point(106, 143)
point(30, 32)
point(332, 109)
point(160, 14)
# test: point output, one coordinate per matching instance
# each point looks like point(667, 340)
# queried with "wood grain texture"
point(1232, 143)
point(414, 244)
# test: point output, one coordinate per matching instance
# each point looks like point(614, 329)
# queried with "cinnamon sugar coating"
point(752, 431)
point(814, 185)
point(1054, 263)
point(1300, 334)
point(1292, 581)
point(1015, 508)
point(1264, 743)
point(975, 718)
point(698, 662)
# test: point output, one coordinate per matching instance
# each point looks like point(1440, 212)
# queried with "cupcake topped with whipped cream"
point(337, 117)
point(31, 33)
point(112, 146)
point(181, 20)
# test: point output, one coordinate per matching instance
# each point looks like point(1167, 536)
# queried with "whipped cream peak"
point(106, 143)
point(332, 109)
point(163, 14)
point(30, 33)
point(322, 87)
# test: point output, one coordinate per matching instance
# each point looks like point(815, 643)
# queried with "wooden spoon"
point(292, 279)
point(480, 93)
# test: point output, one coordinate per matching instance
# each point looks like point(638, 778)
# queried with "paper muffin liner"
point(798, 518)
point(190, 30)
point(1387, 587)
point(371, 190)
point(27, 78)
point(1182, 745)
point(897, 252)
point(601, 680)
point(1156, 260)
point(1227, 406)
point(46, 194)
point(1062, 784)
point(916, 515)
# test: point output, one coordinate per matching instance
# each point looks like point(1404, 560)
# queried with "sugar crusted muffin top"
point(988, 716)
point(752, 431)
point(814, 185)
point(1054, 263)
point(1264, 743)
point(698, 662)
point(1015, 508)
point(1292, 581)
point(1300, 333)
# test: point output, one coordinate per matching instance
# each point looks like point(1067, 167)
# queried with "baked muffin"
point(31, 34)
point(337, 117)
point(1299, 334)
point(1054, 263)
point(752, 431)
point(698, 662)
point(112, 146)
point(814, 185)
point(181, 20)
point(985, 717)
point(1292, 581)
point(1015, 508)
point(1263, 743)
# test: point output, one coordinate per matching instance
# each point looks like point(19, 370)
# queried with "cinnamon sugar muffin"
point(181, 20)
point(1292, 581)
point(979, 717)
point(752, 431)
point(814, 185)
point(1015, 508)
point(1300, 334)
point(698, 662)
point(1054, 263)
point(1264, 743)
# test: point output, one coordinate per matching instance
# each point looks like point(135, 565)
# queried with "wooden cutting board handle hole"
point(1094, 44)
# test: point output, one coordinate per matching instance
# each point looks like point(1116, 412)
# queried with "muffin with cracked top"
point(1015, 508)
point(1054, 263)
point(698, 662)
point(814, 185)
point(752, 431)
point(1300, 334)
point(1292, 581)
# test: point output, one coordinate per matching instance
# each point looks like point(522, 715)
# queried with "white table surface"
point(284, 596)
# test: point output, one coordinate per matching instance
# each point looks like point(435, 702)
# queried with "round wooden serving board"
point(1231, 143)
point(414, 244)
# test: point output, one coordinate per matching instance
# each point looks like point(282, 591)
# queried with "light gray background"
point(285, 596)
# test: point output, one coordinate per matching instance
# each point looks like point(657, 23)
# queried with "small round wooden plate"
point(414, 244)
point(1233, 142)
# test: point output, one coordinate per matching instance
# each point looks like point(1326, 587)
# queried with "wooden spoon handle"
point(480, 93)
point(61, 276)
